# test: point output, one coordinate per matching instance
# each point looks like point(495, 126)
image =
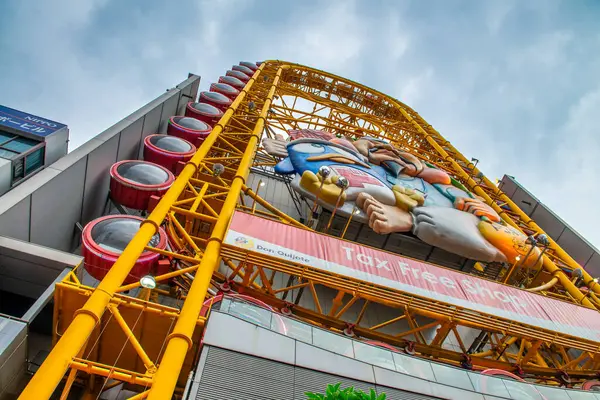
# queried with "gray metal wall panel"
point(247, 382)
point(317, 381)
point(248, 375)
point(573, 244)
point(97, 179)
point(56, 146)
point(5, 175)
point(32, 253)
point(59, 197)
point(264, 368)
point(548, 222)
point(129, 141)
point(212, 392)
point(593, 265)
point(225, 331)
point(151, 126)
point(13, 356)
point(26, 271)
point(169, 110)
point(20, 287)
point(184, 97)
point(508, 186)
point(524, 201)
point(189, 92)
point(225, 374)
point(15, 221)
point(395, 394)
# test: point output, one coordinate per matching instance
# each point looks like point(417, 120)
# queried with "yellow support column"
point(179, 341)
point(51, 372)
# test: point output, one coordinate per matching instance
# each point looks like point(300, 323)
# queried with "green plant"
point(334, 392)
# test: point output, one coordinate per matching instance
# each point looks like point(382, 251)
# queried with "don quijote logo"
point(244, 242)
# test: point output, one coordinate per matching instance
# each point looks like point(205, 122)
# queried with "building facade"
point(285, 230)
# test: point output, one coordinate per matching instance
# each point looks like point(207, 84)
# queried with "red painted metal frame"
point(134, 194)
point(211, 114)
point(166, 158)
point(98, 261)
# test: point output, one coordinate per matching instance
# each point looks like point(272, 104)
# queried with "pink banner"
point(411, 276)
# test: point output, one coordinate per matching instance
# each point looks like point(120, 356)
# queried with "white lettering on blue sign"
point(27, 123)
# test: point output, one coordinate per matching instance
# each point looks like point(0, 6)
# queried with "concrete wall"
point(75, 188)
point(13, 355)
point(5, 175)
point(28, 269)
point(56, 146)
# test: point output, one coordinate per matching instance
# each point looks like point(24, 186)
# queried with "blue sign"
point(27, 122)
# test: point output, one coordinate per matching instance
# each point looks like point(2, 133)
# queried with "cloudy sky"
point(515, 84)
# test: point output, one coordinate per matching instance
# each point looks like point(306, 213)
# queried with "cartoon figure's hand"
point(275, 147)
point(407, 198)
point(476, 207)
point(329, 192)
point(512, 243)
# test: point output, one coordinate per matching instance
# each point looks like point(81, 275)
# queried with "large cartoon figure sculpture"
point(394, 191)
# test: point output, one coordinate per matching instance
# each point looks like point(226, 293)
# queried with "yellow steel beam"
point(548, 264)
point(139, 396)
point(94, 368)
point(68, 384)
point(286, 218)
point(161, 278)
point(150, 367)
point(52, 370)
point(423, 306)
point(179, 341)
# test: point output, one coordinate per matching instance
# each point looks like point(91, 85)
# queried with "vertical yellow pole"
point(52, 370)
point(179, 341)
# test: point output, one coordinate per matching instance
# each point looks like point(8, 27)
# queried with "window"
point(18, 169)
point(34, 160)
point(27, 155)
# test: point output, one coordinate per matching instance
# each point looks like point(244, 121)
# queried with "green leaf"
point(333, 392)
point(313, 396)
point(330, 390)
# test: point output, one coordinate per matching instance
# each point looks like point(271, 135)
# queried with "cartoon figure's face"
point(311, 154)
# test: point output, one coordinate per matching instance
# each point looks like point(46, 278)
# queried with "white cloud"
point(571, 185)
point(502, 90)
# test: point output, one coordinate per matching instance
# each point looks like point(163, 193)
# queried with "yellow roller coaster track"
point(162, 337)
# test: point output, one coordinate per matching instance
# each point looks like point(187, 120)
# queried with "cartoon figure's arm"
point(476, 207)
point(434, 175)
point(465, 201)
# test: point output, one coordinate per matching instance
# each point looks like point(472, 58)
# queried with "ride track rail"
point(161, 343)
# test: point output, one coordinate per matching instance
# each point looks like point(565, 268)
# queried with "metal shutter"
point(230, 375)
